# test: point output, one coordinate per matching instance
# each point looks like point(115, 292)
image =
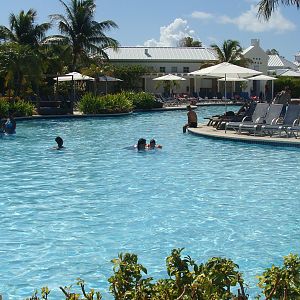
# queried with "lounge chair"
point(257, 117)
point(288, 124)
point(272, 115)
point(219, 121)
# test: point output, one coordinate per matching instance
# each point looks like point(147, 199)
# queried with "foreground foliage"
point(187, 280)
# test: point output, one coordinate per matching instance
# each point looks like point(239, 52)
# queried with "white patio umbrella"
point(108, 79)
point(73, 76)
point(265, 78)
point(169, 77)
point(225, 70)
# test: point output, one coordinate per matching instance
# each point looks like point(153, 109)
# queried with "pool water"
point(66, 214)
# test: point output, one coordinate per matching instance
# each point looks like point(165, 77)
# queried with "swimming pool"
point(66, 214)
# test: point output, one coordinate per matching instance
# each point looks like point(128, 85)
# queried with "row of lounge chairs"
point(269, 119)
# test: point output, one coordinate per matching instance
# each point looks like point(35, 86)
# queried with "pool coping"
point(71, 116)
point(210, 132)
point(78, 114)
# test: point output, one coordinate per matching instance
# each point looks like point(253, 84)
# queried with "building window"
point(186, 70)
point(174, 70)
point(162, 69)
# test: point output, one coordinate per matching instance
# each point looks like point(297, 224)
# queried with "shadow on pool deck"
point(210, 132)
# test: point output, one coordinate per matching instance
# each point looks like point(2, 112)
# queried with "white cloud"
point(171, 34)
point(248, 21)
point(201, 15)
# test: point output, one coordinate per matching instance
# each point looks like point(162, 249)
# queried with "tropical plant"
point(69, 295)
point(189, 42)
point(212, 280)
point(282, 282)
point(24, 30)
point(231, 52)
point(81, 32)
point(131, 76)
point(127, 281)
point(117, 103)
point(18, 107)
point(292, 82)
point(272, 52)
point(142, 100)
point(21, 67)
point(267, 7)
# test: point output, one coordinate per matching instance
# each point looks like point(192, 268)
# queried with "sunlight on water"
point(66, 214)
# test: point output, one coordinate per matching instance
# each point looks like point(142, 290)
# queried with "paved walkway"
point(211, 132)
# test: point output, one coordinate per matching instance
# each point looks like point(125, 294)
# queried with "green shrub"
point(282, 282)
point(143, 100)
point(117, 103)
point(4, 107)
point(187, 280)
point(213, 280)
point(291, 82)
point(91, 104)
point(18, 107)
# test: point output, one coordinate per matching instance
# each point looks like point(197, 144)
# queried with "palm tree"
point(272, 52)
point(21, 67)
point(230, 51)
point(267, 7)
point(81, 32)
point(23, 29)
point(189, 42)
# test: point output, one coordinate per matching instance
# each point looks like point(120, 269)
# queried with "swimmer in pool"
point(152, 145)
point(59, 142)
point(141, 145)
point(10, 125)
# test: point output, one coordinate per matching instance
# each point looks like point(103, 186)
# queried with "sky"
point(165, 22)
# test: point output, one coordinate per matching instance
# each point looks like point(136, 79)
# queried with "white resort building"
point(183, 60)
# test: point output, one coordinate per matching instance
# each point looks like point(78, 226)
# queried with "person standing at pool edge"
point(192, 119)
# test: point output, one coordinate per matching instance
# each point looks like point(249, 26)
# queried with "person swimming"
point(141, 145)
point(10, 125)
point(59, 142)
point(152, 145)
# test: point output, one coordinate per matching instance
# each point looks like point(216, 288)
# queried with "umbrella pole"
point(272, 95)
point(72, 105)
point(225, 94)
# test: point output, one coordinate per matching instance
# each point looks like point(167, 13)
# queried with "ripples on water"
point(66, 214)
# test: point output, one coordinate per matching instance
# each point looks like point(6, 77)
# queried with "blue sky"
point(164, 22)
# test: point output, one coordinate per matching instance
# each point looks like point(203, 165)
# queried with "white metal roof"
point(161, 53)
point(247, 50)
point(279, 62)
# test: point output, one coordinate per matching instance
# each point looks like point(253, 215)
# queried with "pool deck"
point(210, 132)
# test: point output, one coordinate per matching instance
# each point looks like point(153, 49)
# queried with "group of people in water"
point(142, 145)
point(192, 122)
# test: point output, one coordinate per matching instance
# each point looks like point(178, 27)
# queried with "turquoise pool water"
point(66, 214)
